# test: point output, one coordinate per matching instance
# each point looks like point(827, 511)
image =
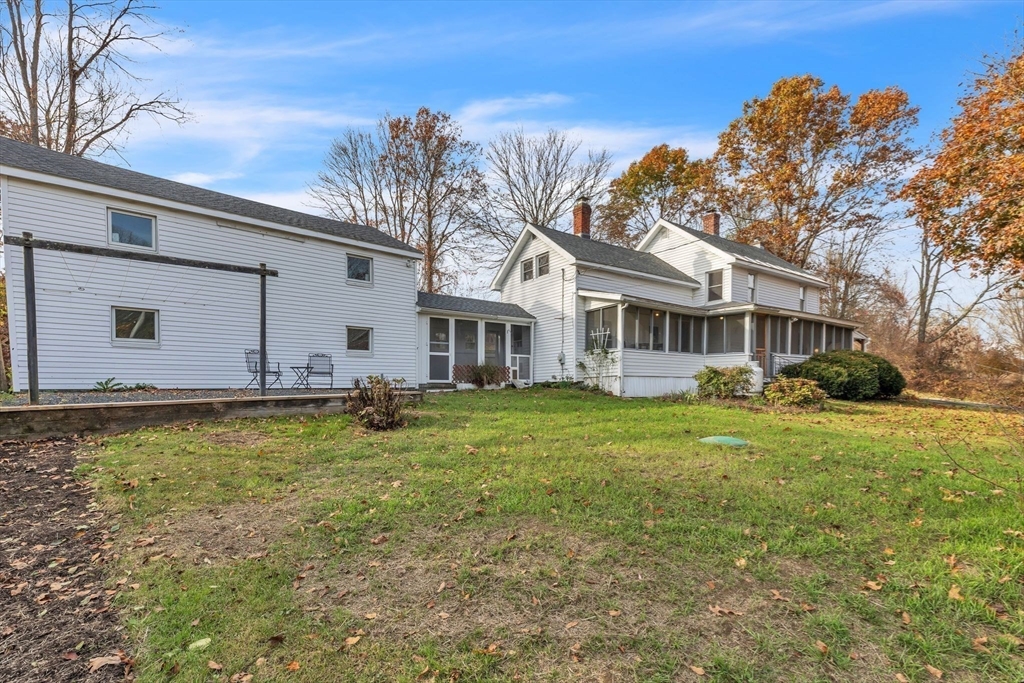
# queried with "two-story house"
point(643, 321)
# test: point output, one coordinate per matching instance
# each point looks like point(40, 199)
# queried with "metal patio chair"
point(252, 364)
point(320, 365)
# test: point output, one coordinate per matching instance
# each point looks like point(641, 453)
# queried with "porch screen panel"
point(522, 346)
point(685, 334)
point(439, 364)
point(796, 334)
point(602, 327)
point(697, 346)
point(466, 344)
point(807, 337)
point(658, 330)
point(735, 331)
point(643, 328)
point(494, 344)
point(818, 337)
point(629, 319)
point(716, 335)
point(847, 338)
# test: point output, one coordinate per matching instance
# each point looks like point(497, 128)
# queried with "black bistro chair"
point(252, 364)
point(320, 365)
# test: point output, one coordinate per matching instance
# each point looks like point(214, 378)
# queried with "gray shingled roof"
point(463, 304)
point(39, 160)
point(604, 254)
point(746, 252)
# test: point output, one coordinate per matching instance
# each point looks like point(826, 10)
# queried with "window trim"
point(720, 285)
point(111, 210)
point(522, 270)
point(348, 337)
point(752, 287)
point(127, 341)
point(355, 281)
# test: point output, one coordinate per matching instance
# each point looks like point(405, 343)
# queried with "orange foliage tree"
point(808, 161)
point(664, 183)
point(970, 196)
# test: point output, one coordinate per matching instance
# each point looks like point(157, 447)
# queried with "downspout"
point(561, 320)
point(622, 345)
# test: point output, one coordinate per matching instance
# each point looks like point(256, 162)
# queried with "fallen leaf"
point(380, 539)
point(954, 593)
point(822, 647)
point(370, 615)
point(571, 624)
point(917, 522)
point(143, 542)
point(978, 645)
point(97, 663)
point(906, 618)
point(352, 640)
point(873, 585)
point(471, 450)
point(70, 656)
point(443, 615)
point(1005, 579)
point(614, 612)
point(889, 551)
point(933, 671)
point(295, 666)
point(200, 644)
point(697, 670)
point(807, 607)
point(902, 679)
point(723, 611)
point(711, 585)
point(776, 595)
point(240, 677)
point(214, 665)
point(741, 562)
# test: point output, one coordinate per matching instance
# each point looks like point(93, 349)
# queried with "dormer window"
point(714, 285)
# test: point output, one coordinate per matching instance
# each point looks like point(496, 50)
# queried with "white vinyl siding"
point(691, 256)
point(207, 318)
point(596, 280)
point(552, 301)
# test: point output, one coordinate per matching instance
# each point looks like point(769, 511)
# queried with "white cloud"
point(199, 178)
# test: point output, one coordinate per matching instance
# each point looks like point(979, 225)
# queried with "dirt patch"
point(55, 613)
point(583, 607)
point(236, 439)
point(220, 535)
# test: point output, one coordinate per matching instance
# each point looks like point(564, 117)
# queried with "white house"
point(342, 289)
point(642, 321)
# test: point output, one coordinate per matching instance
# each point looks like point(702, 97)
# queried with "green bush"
point(850, 375)
point(715, 382)
point(794, 392)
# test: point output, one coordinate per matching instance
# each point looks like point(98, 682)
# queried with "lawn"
point(558, 535)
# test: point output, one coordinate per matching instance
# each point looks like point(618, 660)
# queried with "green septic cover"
point(724, 440)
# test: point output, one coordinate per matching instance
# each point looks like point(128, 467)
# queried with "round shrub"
point(891, 381)
point(799, 392)
point(715, 382)
point(848, 379)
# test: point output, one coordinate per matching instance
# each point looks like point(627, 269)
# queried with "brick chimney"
point(581, 218)
point(712, 223)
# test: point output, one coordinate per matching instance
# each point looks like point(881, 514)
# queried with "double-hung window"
point(803, 298)
point(527, 267)
point(360, 269)
point(543, 264)
point(752, 288)
point(134, 326)
point(714, 285)
point(133, 230)
point(603, 328)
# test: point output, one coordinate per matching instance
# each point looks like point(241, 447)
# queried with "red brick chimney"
point(712, 223)
point(581, 218)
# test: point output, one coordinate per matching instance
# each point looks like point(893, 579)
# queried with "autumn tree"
point(664, 183)
point(415, 178)
point(808, 162)
point(970, 196)
point(66, 74)
point(536, 179)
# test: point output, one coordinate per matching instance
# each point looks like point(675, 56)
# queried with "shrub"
point(715, 382)
point(377, 402)
point(794, 392)
point(850, 375)
point(484, 375)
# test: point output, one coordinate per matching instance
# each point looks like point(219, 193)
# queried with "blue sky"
point(271, 83)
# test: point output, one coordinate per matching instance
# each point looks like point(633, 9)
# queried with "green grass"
point(516, 514)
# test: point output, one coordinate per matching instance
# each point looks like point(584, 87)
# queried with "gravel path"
point(66, 397)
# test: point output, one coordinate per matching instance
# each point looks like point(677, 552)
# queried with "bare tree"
point(936, 311)
point(845, 264)
point(66, 76)
point(416, 179)
point(536, 180)
point(1010, 323)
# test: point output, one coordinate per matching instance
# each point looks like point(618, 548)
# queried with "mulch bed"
point(55, 611)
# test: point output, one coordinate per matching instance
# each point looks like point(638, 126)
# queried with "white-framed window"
point(359, 339)
point(131, 230)
point(803, 298)
point(359, 269)
point(543, 264)
point(714, 285)
point(752, 288)
point(527, 267)
point(134, 326)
